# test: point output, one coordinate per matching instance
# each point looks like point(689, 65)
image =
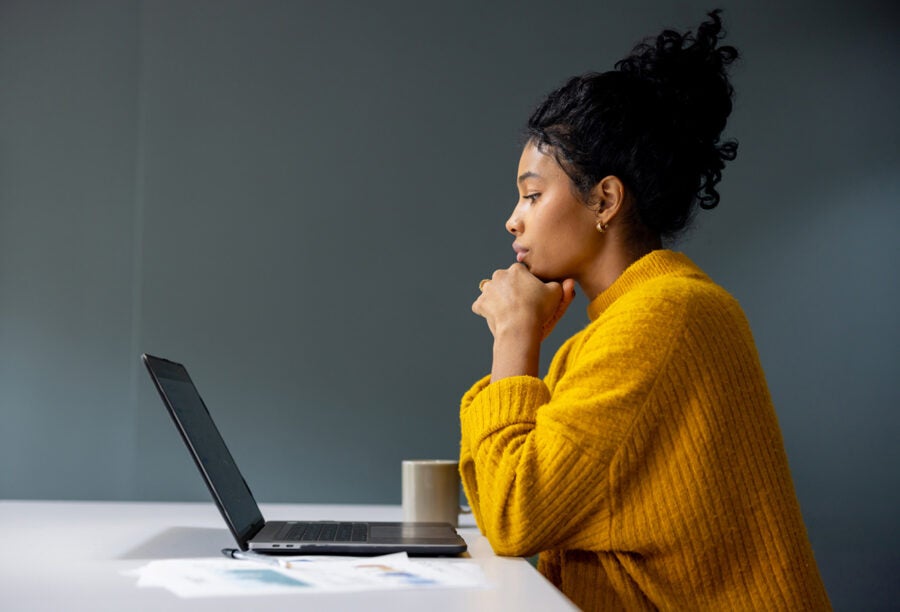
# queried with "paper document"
point(211, 577)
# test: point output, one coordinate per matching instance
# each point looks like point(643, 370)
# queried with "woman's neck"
point(618, 253)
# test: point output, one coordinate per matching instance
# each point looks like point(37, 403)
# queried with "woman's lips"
point(521, 252)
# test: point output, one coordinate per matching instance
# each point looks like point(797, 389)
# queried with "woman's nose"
point(513, 224)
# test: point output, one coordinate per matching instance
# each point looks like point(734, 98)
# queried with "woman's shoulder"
point(693, 286)
point(676, 279)
point(675, 295)
point(661, 276)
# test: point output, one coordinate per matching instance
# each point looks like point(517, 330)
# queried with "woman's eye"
point(532, 197)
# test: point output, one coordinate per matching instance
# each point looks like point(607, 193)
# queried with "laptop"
point(241, 513)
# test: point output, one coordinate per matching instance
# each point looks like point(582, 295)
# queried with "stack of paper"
point(308, 574)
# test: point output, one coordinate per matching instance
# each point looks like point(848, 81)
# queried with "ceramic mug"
point(431, 491)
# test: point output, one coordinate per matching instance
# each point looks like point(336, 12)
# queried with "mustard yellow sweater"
point(648, 467)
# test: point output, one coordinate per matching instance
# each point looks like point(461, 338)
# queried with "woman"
point(647, 468)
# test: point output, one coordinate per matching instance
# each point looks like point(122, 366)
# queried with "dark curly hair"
point(654, 122)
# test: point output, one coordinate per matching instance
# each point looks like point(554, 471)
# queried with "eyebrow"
point(527, 175)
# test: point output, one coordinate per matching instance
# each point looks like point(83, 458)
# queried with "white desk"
point(70, 555)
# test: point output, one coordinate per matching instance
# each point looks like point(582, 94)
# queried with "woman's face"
point(556, 234)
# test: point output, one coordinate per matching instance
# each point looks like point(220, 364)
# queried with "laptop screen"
point(208, 448)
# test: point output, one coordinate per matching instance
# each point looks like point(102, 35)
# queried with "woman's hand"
point(521, 310)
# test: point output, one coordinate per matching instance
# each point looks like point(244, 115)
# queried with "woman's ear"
point(609, 194)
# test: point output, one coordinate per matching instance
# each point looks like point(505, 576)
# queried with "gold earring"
point(601, 227)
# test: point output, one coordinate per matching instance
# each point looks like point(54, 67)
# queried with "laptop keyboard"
point(327, 532)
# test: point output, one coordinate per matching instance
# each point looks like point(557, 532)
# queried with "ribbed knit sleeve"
point(536, 453)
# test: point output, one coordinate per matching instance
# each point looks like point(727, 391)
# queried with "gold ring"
point(482, 284)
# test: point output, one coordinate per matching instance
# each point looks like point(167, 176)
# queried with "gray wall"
point(298, 199)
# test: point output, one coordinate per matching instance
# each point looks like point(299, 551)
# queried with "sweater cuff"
point(473, 392)
point(493, 406)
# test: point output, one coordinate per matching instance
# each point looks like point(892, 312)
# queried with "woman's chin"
point(542, 275)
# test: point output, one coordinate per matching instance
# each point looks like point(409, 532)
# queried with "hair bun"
point(688, 74)
point(685, 77)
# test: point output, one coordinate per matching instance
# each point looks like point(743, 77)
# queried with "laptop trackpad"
point(410, 533)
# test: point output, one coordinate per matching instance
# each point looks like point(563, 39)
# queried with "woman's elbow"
point(512, 543)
